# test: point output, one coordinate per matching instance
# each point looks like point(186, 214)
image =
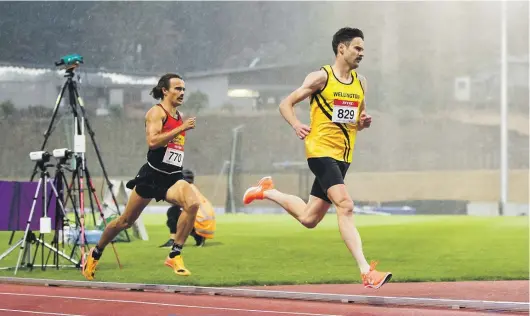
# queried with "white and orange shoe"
point(375, 279)
point(256, 193)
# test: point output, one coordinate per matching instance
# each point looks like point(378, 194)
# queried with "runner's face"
point(175, 94)
point(354, 52)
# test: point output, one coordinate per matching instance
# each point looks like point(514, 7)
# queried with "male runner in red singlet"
point(161, 177)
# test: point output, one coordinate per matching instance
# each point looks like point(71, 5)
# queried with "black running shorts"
point(328, 172)
point(150, 183)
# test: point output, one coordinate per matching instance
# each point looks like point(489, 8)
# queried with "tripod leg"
point(74, 207)
point(91, 201)
point(75, 175)
point(11, 238)
point(26, 258)
point(28, 223)
point(48, 257)
point(93, 191)
point(43, 266)
point(59, 219)
point(8, 251)
point(34, 257)
point(55, 238)
point(71, 197)
point(82, 213)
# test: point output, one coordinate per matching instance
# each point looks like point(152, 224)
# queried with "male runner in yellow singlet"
point(337, 112)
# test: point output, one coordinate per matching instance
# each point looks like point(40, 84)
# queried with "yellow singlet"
point(334, 114)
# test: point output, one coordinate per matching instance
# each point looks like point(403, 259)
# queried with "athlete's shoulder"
point(326, 68)
point(362, 80)
point(155, 112)
point(317, 79)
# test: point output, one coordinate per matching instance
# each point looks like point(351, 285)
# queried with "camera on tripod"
point(70, 60)
point(62, 153)
point(41, 156)
point(60, 184)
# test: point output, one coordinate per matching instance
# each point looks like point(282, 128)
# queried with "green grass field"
point(275, 249)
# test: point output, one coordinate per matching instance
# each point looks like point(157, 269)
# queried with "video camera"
point(62, 153)
point(43, 156)
point(70, 60)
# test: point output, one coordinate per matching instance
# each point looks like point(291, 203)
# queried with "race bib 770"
point(174, 155)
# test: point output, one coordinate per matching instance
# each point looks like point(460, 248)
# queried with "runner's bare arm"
point(362, 107)
point(312, 83)
point(153, 128)
point(366, 120)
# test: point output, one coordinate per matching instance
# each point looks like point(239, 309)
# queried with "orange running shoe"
point(177, 264)
point(375, 279)
point(89, 268)
point(256, 193)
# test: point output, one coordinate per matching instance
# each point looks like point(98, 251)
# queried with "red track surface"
point(26, 300)
point(507, 291)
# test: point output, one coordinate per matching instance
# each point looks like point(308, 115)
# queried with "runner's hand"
point(365, 121)
point(301, 130)
point(189, 123)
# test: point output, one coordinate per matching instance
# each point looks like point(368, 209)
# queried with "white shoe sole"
point(387, 279)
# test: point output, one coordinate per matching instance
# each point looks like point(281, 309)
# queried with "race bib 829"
point(345, 111)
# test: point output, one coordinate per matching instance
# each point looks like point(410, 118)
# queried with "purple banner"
point(16, 199)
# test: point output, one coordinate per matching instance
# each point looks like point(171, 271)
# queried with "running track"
point(41, 300)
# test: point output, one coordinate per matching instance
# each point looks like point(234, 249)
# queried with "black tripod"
point(80, 121)
point(75, 102)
